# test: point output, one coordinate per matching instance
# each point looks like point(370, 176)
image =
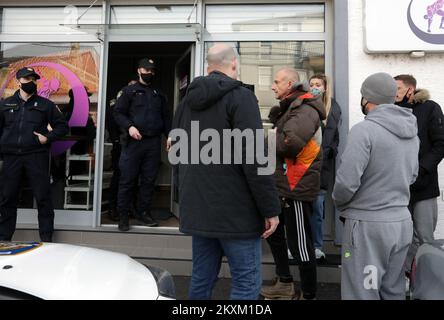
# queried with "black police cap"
point(27, 72)
point(147, 64)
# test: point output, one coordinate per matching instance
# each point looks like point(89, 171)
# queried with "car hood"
point(68, 272)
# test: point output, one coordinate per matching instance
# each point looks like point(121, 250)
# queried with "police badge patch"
point(14, 248)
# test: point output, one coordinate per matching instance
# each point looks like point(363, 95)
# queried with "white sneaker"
point(408, 292)
point(319, 254)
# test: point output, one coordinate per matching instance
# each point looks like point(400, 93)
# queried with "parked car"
point(35, 270)
point(428, 272)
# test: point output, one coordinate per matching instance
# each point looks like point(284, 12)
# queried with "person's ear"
point(290, 84)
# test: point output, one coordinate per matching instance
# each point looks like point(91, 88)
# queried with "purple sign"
point(433, 10)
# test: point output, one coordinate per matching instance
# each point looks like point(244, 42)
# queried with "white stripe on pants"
point(299, 214)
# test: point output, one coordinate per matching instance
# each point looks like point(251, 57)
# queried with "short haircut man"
point(425, 191)
point(298, 140)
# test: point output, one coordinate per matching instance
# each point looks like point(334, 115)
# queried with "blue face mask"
point(316, 91)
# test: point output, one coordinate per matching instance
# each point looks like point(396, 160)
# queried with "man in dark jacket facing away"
point(425, 191)
point(225, 207)
point(297, 176)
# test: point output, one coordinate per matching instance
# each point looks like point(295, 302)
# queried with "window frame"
point(246, 3)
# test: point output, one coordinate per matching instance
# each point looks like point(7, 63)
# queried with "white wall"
point(428, 71)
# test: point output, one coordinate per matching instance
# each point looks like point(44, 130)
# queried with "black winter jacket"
point(431, 150)
point(19, 120)
point(143, 107)
point(330, 143)
point(222, 200)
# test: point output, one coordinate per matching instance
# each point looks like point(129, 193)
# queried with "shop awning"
point(194, 30)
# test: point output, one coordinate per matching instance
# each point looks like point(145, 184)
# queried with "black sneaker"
point(124, 223)
point(148, 221)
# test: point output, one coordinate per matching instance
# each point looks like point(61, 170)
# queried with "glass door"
point(184, 74)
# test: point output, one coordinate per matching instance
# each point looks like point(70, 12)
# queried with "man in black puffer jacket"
point(225, 206)
point(424, 192)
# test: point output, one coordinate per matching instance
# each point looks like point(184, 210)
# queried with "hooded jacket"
point(431, 151)
point(298, 144)
point(222, 200)
point(378, 165)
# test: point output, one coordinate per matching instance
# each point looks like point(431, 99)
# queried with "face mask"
point(316, 91)
point(29, 88)
point(405, 101)
point(364, 106)
point(147, 77)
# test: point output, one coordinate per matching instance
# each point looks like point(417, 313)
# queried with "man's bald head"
point(283, 82)
point(289, 74)
point(222, 57)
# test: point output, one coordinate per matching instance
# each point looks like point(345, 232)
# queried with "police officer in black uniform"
point(25, 140)
point(142, 115)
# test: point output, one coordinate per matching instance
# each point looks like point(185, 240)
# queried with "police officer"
point(141, 113)
point(25, 139)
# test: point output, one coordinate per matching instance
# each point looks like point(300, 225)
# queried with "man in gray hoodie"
point(379, 164)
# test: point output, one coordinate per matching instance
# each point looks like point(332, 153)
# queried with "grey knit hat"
point(379, 88)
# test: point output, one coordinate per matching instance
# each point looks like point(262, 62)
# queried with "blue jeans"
point(244, 259)
point(317, 220)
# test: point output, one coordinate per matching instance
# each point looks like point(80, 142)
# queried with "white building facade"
point(395, 35)
point(91, 48)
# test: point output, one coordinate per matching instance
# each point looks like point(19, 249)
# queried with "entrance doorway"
point(175, 63)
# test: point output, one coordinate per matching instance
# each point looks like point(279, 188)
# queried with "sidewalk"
point(222, 289)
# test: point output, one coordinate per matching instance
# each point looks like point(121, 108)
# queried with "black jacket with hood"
point(431, 150)
point(222, 200)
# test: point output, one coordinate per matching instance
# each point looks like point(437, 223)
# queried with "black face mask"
point(147, 78)
point(29, 88)
point(405, 101)
point(364, 106)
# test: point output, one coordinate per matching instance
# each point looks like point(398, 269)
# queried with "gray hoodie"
point(379, 164)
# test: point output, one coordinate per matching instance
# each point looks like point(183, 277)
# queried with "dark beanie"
point(379, 88)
